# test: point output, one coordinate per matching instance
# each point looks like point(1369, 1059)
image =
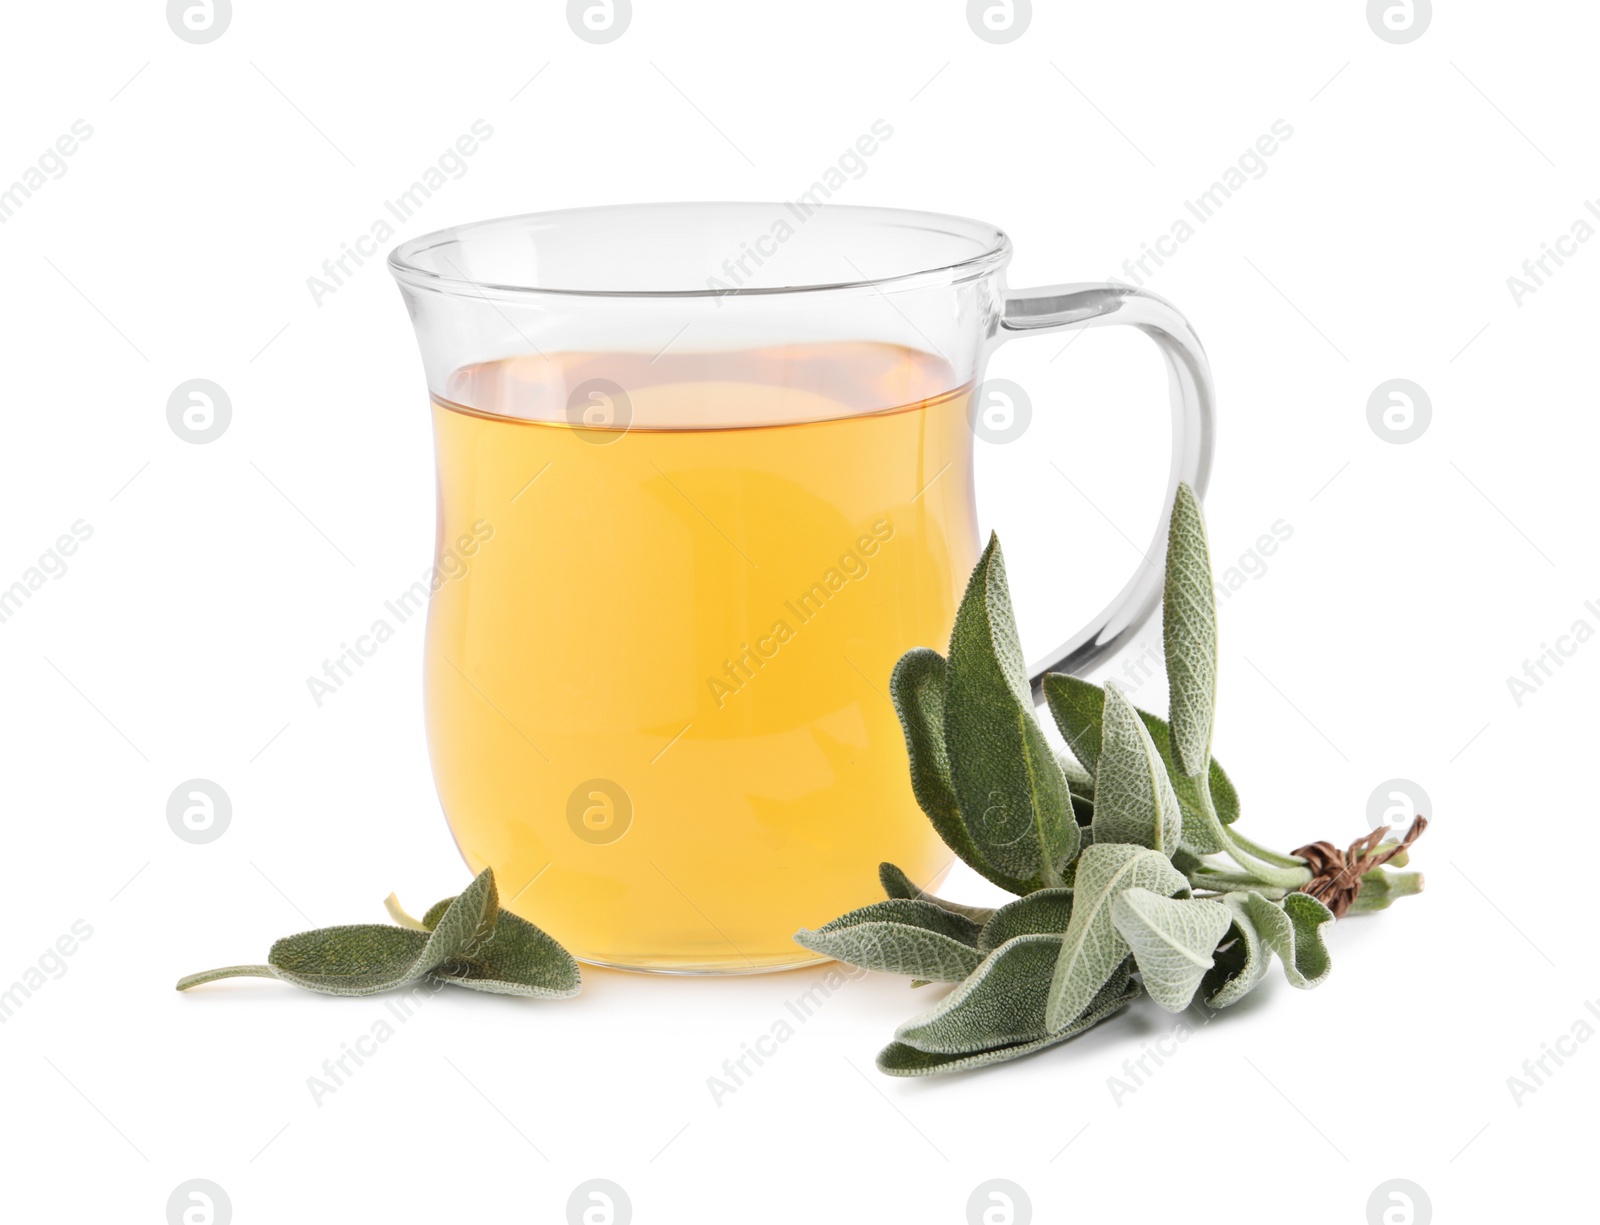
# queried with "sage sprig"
point(1131, 874)
point(466, 941)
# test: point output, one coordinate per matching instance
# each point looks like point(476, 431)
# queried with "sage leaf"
point(1134, 801)
point(1000, 1004)
point(1092, 948)
point(1078, 708)
point(1172, 941)
point(1189, 634)
point(1014, 800)
point(359, 959)
point(896, 884)
point(1306, 962)
point(901, 936)
point(1079, 780)
point(1293, 930)
point(467, 920)
point(365, 958)
point(516, 959)
point(466, 940)
point(1046, 911)
point(1242, 964)
point(434, 913)
point(903, 1059)
point(917, 687)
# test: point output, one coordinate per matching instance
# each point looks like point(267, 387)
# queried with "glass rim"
point(406, 264)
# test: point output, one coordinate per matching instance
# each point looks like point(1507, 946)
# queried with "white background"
point(1376, 644)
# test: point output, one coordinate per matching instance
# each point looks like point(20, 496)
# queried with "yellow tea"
point(657, 695)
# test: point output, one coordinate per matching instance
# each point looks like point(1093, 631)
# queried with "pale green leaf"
point(1293, 930)
point(1307, 961)
point(1014, 799)
point(903, 1059)
point(901, 936)
point(1244, 962)
point(1134, 801)
point(1079, 780)
point(1000, 1004)
point(1189, 634)
point(1046, 911)
point(1092, 948)
point(1078, 707)
point(1172, 941)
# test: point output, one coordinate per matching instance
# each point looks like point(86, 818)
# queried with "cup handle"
point(1068, 308)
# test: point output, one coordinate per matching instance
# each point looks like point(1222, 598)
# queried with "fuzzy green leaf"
point(1172, 941)
point(1306, 960)
point(1014, 799)
point(1134, 801)
point(1078, 707)
point(917, 687)
point(903, 1059)
point(1045, 912)
point(1079, 780)
point(896, 884)
point(1244, 962)
point(467, 922)
point(358, 959)
point(430, 919)
point(1189, 634)
point(1092, 948)
point(910, 937)
point(466, 940)
point(364, 958)
point(517, 959)
point(1000, 1004)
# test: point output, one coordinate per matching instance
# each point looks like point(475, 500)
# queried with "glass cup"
point(705, 473)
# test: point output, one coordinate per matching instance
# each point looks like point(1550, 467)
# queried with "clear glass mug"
point(705, 473)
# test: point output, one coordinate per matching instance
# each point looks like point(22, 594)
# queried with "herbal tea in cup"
point(696, 529)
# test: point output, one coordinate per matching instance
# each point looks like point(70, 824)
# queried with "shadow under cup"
point(704, 475)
